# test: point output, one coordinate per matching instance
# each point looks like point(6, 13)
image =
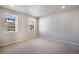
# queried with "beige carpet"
point(41, 46)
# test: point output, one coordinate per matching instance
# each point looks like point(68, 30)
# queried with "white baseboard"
point(59, 40)
point(5, 44)
point(16, 41)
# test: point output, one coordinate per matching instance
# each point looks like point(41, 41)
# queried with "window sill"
point(9, 31)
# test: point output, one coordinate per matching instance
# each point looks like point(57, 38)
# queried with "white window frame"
point(30, 19)
point(16, 24)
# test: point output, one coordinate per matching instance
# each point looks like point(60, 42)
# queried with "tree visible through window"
point(31, 24)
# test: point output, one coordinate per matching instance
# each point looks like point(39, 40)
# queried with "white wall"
point(61, 26)
point(22, 34)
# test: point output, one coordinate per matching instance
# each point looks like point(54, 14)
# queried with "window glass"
point(31, 24)
point(10, 21)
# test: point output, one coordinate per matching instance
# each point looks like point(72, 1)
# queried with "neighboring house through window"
point(11, 22)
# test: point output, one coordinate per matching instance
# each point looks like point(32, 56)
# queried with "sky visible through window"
point(10, 16)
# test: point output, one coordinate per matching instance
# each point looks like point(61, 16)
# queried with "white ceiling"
point(39, 10)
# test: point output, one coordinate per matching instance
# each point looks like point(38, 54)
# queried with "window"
point(11, 22)
point(31, 24)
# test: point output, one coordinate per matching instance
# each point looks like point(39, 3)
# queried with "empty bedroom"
point(39, 29)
